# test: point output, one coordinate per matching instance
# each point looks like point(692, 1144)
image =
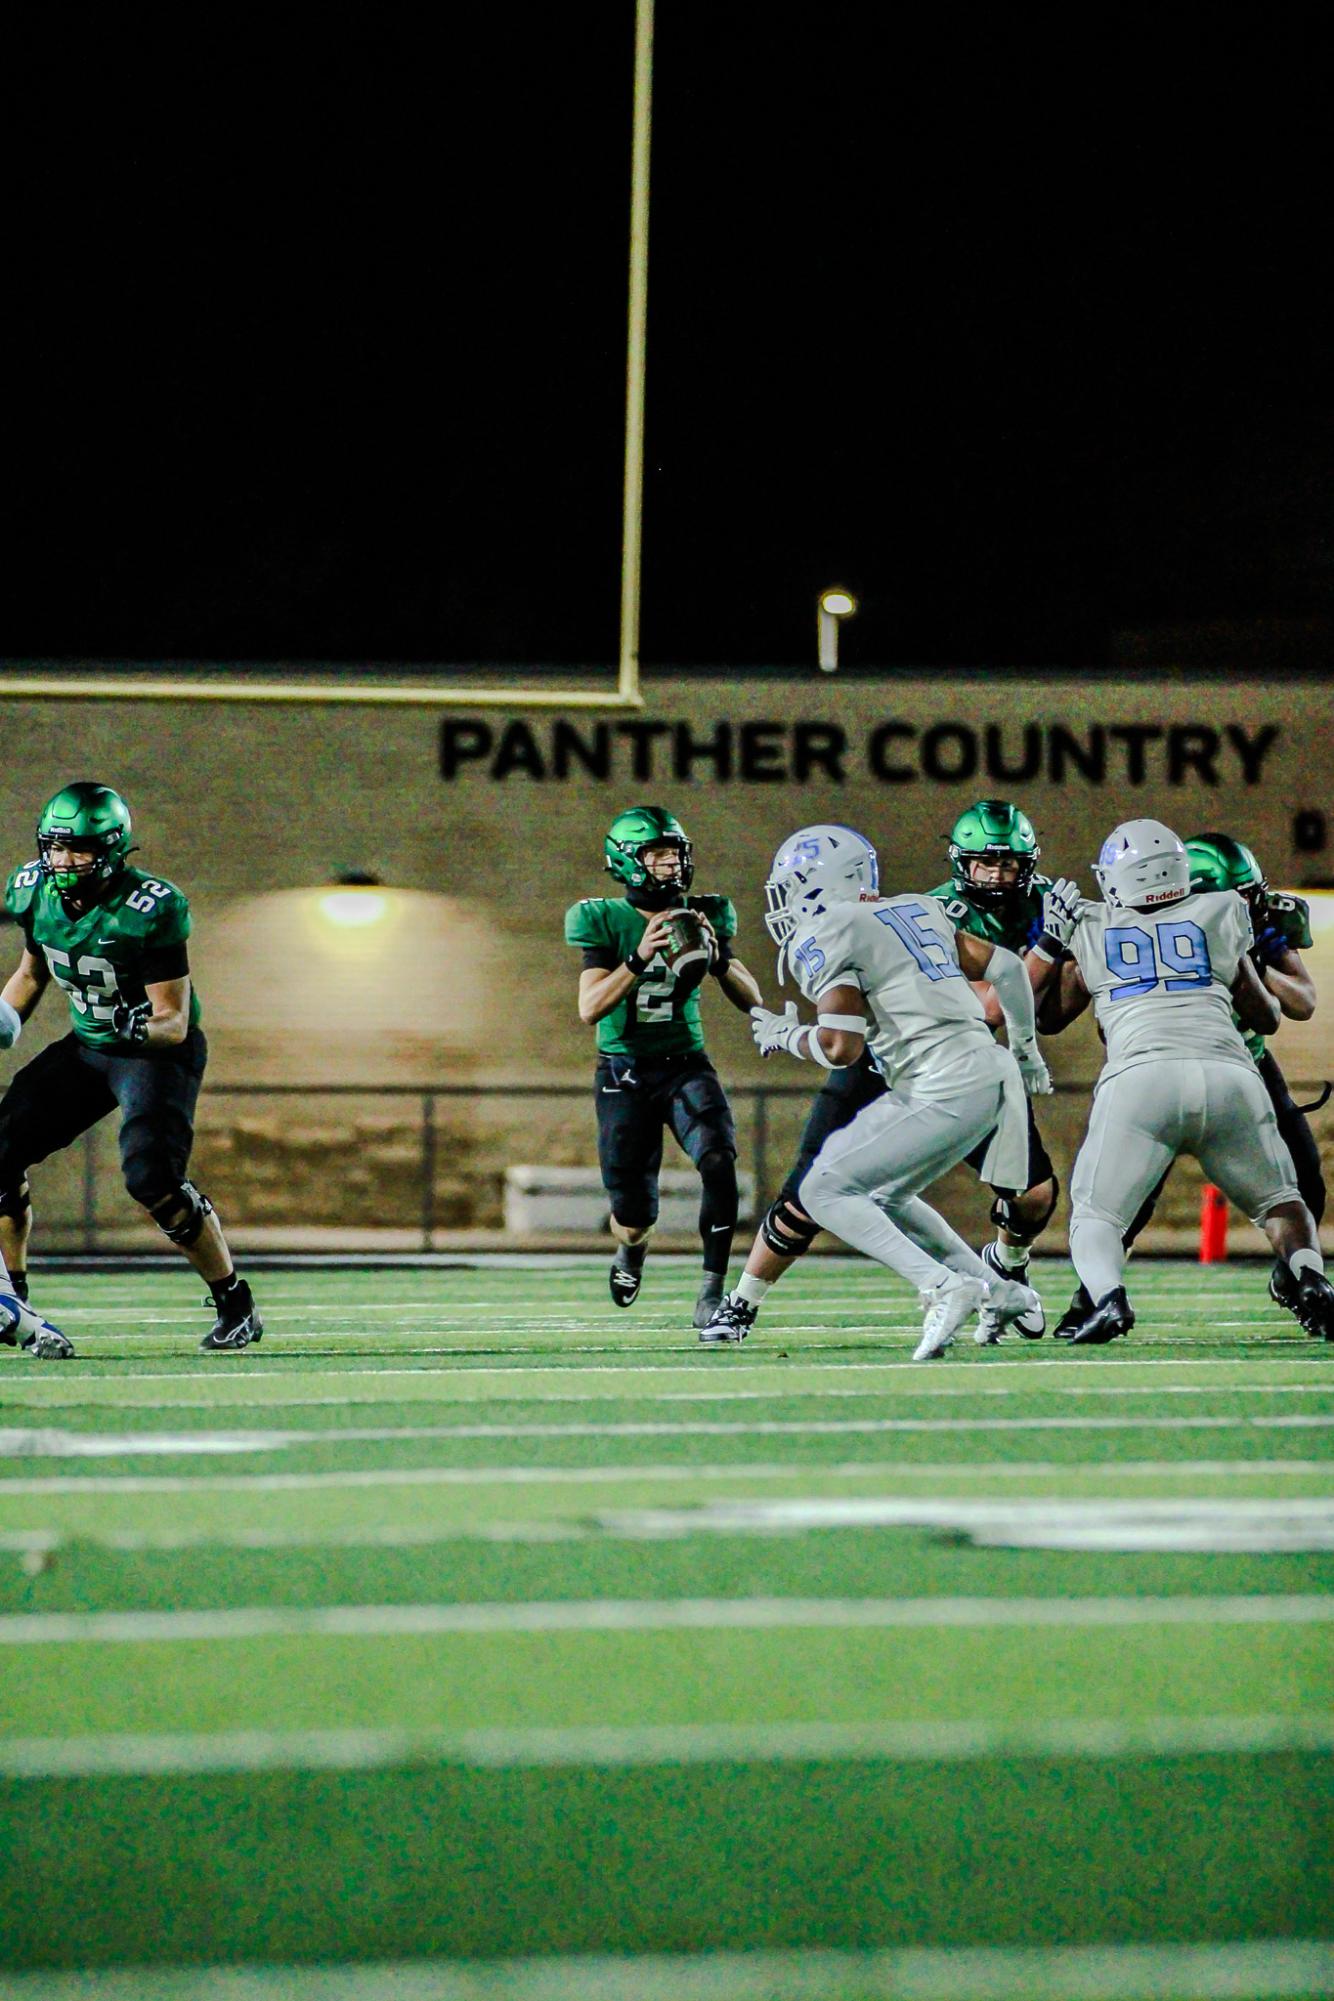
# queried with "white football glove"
point(1036, 1075)
point(10, 1025)
point(1060, 911)
point(773, 1032)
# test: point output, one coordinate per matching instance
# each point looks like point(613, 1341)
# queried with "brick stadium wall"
point(484, 827)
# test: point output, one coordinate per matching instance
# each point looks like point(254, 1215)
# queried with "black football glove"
point(130, 1024)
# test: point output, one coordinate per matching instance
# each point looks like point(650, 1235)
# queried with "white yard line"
point(599, 1475)
point(49, 1443)
point(271, 1368)
point(670, 1743)
point(633, 1615)
point(924, 1385)
point(1241, 1970)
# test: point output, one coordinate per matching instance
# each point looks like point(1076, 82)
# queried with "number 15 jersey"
point(1161, 979)
point(930, 1034)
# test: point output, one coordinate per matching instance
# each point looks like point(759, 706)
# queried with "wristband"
point(635, 966)
point(1049, 947)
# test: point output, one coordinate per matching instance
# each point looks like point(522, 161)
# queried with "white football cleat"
point(20, 1327)
point(1010, 1302)
point(946, 1307)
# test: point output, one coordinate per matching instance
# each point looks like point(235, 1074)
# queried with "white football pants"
point(1141, 1120)
point(863, 1184)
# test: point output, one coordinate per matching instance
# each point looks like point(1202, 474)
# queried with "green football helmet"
point(641, 827)
point(1219, 862)
point(85, 815)
point(993, 830)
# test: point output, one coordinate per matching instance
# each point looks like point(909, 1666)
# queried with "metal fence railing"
point(428, 1160)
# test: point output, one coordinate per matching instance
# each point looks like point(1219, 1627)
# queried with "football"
point(688, 942)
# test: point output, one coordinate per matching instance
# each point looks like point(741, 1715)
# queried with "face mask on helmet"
point(648, 850)
point(1217, 861)
point(1142, 864)
point(990, 834)
point(88, 826)
point(815, 868)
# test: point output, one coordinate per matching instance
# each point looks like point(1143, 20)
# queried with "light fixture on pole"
point(832, 607)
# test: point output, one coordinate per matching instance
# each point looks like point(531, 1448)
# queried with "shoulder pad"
point(586, 922)
point(22, 887)
point(720, 911)
point(1293, 916)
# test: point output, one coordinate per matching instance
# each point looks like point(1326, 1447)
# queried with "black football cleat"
point(1111, 1316)
point(731, 1320)
point(625, 1278)
point(709, 1297)
point(1283, 1286)
point(1076, 1313)
point(238, 1324)
point(1315, 1304)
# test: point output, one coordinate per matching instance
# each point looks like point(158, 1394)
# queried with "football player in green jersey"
point(643, 966)
point(1282, 927)
point(995, 894)
point(114, 939)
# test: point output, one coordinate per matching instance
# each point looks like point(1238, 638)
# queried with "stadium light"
point(831, 608)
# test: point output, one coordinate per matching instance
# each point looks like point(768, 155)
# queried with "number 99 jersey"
point(133, 936)
point(1161, 979)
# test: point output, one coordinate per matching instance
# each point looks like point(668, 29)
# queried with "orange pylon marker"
point(1213, 1225)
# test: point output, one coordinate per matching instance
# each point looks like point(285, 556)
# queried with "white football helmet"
point(816, 867)
point(1142, 864)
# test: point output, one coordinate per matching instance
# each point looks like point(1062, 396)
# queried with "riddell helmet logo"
point(1162, 896)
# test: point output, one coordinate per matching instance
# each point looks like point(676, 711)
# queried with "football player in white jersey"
point(1164, 968)
point(893, 974)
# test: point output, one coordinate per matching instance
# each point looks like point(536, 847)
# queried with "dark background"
point(316, 352)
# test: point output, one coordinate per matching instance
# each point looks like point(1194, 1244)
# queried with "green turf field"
point(469, 1620)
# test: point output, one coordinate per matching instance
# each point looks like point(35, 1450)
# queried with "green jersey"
point(1018, 927)
point(133, 937)
point(1290, 916)
point(660, 1014)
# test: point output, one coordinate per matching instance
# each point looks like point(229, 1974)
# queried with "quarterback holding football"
point(646, 954)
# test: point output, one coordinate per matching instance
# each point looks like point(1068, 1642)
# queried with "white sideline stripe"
point(951, 1386)
point(1244, 1970)
point(648, 1615)
point(49, 1443)
point(600, 1475)
point(270, 1367)
point(116, 1753)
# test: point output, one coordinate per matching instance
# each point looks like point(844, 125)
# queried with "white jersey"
point(929, 1034)
point(1161, 979)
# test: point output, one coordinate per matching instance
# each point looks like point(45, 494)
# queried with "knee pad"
point(786, 1231)
point(1005, 1216)
point(718, 1164)
point(182, 1214)
point(16, 1200)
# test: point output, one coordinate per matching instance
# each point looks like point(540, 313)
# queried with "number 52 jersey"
point(133, 937)
point(1161, 979)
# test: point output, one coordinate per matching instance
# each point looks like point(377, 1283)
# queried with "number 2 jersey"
point(1161, 979)
point(132, 937)
point(929, 1035)
point(660, 1014)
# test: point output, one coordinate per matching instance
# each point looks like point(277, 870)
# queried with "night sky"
point(317, 353)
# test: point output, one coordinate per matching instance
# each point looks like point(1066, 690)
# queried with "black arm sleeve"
point(164, 962)
point(723, 960)
point(602, 958)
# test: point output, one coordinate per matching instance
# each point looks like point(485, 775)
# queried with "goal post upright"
point(632, 521)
